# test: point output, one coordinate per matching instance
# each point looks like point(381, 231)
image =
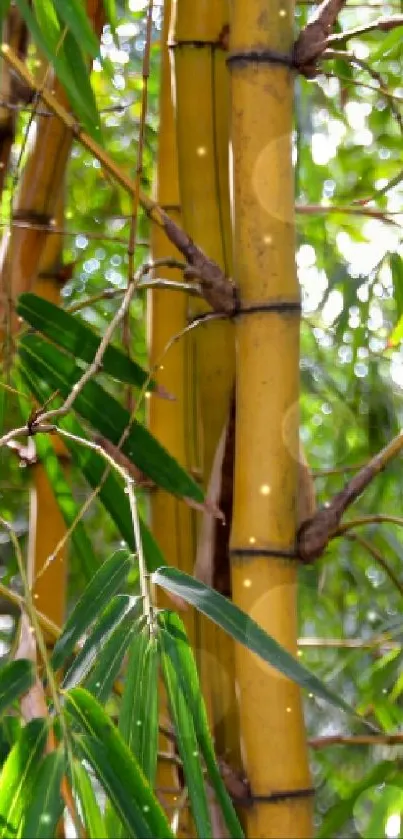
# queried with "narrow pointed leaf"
point(46, 804)
point(115, 767)
point(73, 335)
point(67, 505)
point(18, 776)
point(16, 677)
point(111, 15)
point(73, 14)
point(92, 816)
point(245, 630)
point(47, 33)
point(103, 628)
point(5, 5)
point(177, 647)
point(111, 494)
point(108, 416)
point(186, 739)
point(104, 674)
point(107, 581)
point(138, 718)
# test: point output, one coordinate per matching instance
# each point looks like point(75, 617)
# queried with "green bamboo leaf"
point(396, 267)
point(73, 14)
point(92, 816)
point(47, 33)
point(67, 505)
point(115, 767)
point(16, 677)
point(177, 647)
point(18, 776)
point(138, 718)
point(245, 630)
point(335, 819)
point(111, 494)
point(106, 414)
point(105, 672)
point(186, 739)
point(46, 804)
point(5, 5)
point(73, 335)
point(80, 78)
point(111, 617)
point(106, 582)
point(111, 15)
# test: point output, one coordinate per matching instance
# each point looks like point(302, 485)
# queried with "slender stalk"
point(264, 579)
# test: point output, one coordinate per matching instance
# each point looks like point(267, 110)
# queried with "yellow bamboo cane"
point(199, 42)
point(264, 522)
point(173, 523)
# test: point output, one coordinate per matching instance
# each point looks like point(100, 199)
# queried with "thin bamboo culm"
point(198, 42)
point(265, 484)
point(172, 522)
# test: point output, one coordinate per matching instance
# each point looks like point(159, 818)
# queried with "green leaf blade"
point(106, 582)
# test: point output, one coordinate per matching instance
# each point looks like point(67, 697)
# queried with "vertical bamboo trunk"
point(15, 34)
point(173, 523)
point(198, 42)
point(47, 527)
point(264, 522)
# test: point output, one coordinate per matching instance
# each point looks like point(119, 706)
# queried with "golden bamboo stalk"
point(172, 522)
point(265, 516)
point(198, 43)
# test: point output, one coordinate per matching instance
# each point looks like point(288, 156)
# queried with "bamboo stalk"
point(172, 522)
point(198, 43)
point(265, 484)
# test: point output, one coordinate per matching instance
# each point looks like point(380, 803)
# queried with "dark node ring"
point(273, 797)
point(260, 57)
point(276, 306)
point(269, 552)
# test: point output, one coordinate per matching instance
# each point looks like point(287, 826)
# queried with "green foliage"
point(348, 154)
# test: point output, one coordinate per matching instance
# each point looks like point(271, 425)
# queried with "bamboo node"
point(275, 796)
point(242, 58)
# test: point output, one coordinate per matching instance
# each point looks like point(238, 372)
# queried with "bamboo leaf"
point(46, 804)
point(108, 416)
point(67, 504)
point(106, 582)
point(18, 776)
point(111, 15)
point(16, 677)
point(110, 618)
point(48, 35)
point(5, 5)
point(342, 811)
point(178, 649)
point(111, 493)
point(115, 767)
point(73, 14)
point(245, 630)
point(138, 718)
point(101, 679)
point(73, 335)
point(188, 747)
point(92, 816)
point(80, 78)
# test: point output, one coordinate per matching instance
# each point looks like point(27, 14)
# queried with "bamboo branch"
point(382, 24)
point(313, 39)
point(355, 740)
point(315, 534)
point(218, 290)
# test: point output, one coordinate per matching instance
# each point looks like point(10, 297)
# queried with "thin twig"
point(364, 521)
point(377, 556)
point(355, 740)
point(382, 24)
